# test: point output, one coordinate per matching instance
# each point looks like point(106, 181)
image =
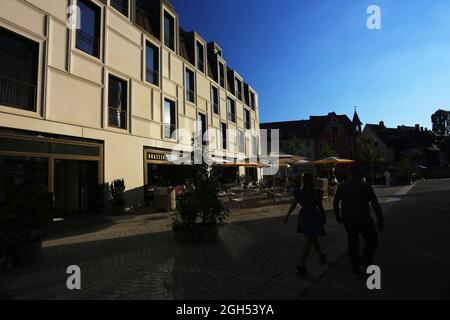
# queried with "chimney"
point(382, 124)
point(421, 129)
point(417, 127)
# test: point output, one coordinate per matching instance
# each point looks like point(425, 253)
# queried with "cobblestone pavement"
point(137, 258)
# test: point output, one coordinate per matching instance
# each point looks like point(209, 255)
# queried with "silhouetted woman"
point(311, 219)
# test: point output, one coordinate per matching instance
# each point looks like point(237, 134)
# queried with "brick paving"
point(137, 258)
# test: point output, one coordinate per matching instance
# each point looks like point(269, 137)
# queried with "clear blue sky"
point(310, 57)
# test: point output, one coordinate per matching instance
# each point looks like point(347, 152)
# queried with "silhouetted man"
point(356, 196)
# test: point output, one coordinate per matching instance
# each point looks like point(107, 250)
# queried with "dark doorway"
point(76, 186)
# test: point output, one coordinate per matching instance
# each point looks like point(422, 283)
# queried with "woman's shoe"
point(323, 259)
point(302, 271)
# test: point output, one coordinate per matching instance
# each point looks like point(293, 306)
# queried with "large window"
point(170, 123)
point(215, 99)
point(152, 64)
point(252, 100)
point(247, 119)
point(241, 141)
point(200, 57)
point(224, 136)
point(88, 35)
point(201, 128)
point(169, 31)
point(18, 71)
point(238, 88)
point(118, 102)
point(222, 75)
point(121, 6)
point(190, 85)
point(231, 110)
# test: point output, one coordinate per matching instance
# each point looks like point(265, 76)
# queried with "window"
point(169, 31)
point(350, 155)
point(222, 74)
point(169, 118)
point(238, 88)
point(333, 142)
point(350, 142)
point(88, 36)
point(307, 143)
point(247, 119)
point(18, 71)
point(241, 141)
point(224, 136)
point(231, 110)
point(118, 102)
point(152, 64)
point(121, 6)
point(201, 128)
point(252, 100)
point(334, 131)
point(254, 146)
point(215, 99)
point(190, 86)
point(200, 57)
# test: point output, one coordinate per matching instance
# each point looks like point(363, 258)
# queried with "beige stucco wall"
point(73, 86)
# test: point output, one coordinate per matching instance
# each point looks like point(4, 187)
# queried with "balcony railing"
point(231, 116)
point(239, 95)
point(117, 118)
point(152, 76)
point(222, 82)
point(88, 43)
point(201, 65)
point(17, 94)
point(190, 95)
point(168, 130)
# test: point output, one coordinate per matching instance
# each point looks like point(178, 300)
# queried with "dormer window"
point(238, 88)
point(200, 57)
point(222, 75)
point(169, 31)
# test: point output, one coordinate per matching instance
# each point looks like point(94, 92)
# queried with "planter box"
point(27, 253)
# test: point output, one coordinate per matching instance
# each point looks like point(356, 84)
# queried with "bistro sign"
point(156, 157)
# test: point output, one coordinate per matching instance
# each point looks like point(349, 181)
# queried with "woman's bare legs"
point(306, 250)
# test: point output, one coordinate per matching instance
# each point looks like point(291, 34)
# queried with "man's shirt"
point(356, 197)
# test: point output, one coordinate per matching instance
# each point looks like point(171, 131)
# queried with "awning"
point(334, 160)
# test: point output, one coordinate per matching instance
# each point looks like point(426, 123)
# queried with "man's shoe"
point(301, 271)
point(323, 259)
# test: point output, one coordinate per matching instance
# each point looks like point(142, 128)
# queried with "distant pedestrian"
point(311, 219)
point(356, 196)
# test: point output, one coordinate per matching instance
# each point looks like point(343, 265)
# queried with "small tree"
point(292, 146)
point(404, 170)
point(368, 154)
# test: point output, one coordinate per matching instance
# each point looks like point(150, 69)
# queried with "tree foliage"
point(441, 122)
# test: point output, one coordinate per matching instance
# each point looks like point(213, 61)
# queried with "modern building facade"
point(96, 90)
point(308, 138)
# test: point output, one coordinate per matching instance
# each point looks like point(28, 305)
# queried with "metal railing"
point(88, 43)
point(17, 94)
point(117, 118)
point(168, 130)
point(201, 65)
point(152, 76)
point(190, 95)
point(231, 116)
point(239, 95)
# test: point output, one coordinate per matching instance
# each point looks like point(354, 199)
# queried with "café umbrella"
point(334, 160)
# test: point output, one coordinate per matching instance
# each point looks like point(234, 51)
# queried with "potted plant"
point(117, 190)
point(183, 223)
point(24, 223)
point(212, 212)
